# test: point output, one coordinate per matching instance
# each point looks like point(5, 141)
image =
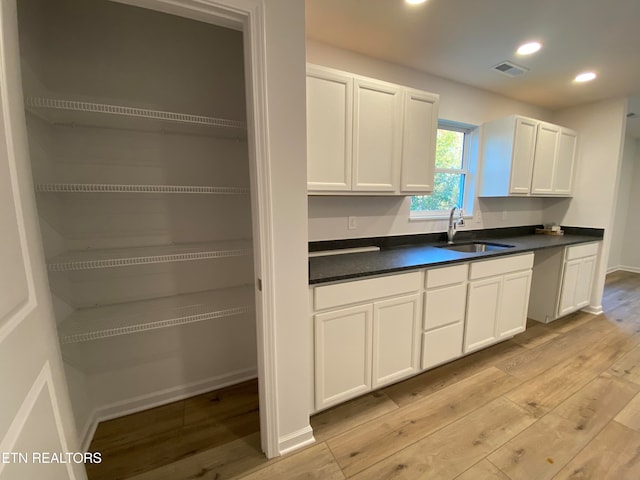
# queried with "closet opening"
point(137, 128)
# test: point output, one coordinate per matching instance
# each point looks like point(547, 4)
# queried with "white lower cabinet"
point(373, 332)
point(365, 346)
point(562, 281)
point(342, 354)
point(444, 312)
point(396, 342)
point(497, 300)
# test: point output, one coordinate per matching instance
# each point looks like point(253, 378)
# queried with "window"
point(451, 174)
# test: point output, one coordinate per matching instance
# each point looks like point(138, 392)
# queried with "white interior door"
point(35, 413)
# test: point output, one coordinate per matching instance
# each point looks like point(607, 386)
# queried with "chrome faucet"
point(451, 232)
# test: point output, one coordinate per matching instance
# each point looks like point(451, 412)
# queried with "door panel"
point(562, 182)
point(523, 149)
point(419, 141)
point(545, 158)
point(514, 304)
point(36, 413)
point(396, 339)
point(483, 308)
point(329, 130)
point(377, 122)
point(342, 354)
point(585, 281)
point(568, 289)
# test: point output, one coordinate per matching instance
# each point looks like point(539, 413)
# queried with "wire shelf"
point(133, 317)
point(115, 188)
point(143, 113)
point(125, 257)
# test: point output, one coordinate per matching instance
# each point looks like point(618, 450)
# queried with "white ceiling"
point(462, 39)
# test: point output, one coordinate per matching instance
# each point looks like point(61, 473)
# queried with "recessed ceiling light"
point(415, 2)
point(529, 48)
point(585, 77)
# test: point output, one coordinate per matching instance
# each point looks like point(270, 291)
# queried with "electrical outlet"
point(352, 223)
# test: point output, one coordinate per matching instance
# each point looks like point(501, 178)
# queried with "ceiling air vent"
point(510, 69)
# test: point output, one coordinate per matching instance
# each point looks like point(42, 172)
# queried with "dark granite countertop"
point(411, 252)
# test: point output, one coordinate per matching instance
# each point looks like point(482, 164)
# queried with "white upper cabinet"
point(365, 136)
point(377, 122)
point(527, 157)
point(418, 141)
point(565, 161)
point(545, 159)
point(329, 130)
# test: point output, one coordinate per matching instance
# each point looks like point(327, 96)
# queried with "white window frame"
point(466, 170)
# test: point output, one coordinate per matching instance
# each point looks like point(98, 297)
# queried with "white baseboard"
point(162, 397)
point(597, 310)
point(294, 441)
point(623, 268)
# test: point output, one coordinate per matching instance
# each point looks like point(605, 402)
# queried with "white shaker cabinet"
point(377, 122)
point(497, 300)
point(396, 342)
point(329, 130)
point(545, 158)
point(562, 281)
point(342, 354)
point(366, 335)
point(419, 133)
point(527, 157)
point(365, 136)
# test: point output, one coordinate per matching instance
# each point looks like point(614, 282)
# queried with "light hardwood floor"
point(560, 401)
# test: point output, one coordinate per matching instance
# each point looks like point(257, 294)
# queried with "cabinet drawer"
point(500, 266)
point(366, 290)
point(438, 277)
point(581, 251)
point(442, 345)
point(446, 305)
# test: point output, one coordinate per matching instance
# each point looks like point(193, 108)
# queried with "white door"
point(568, 289)
point(342, 354)
point(563, 178)
point(419, 133)
point(35, 412)
point(586, 272)
point(523, 149)
point(329, 130)
point(514, 304)
point(544, 162)
point(376, 136)
point(483, 308)
point(396, 339)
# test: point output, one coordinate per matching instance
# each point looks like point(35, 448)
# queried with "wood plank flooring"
point(560, 401)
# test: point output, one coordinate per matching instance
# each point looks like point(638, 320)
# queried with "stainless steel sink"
point(476, 247)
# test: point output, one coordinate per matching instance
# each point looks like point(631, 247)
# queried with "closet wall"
point(136, 124)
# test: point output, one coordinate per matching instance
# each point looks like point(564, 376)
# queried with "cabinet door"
point(514, 304)
point(483, 308)
point(329, 130)
point(377, 125)
point(586, 270)
point(444, 311)
point(563, 178)
point(570, 274)
point(545, 159)
point(522, 161)
point(419, 132)
point(396, 338)
point(342, 354)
